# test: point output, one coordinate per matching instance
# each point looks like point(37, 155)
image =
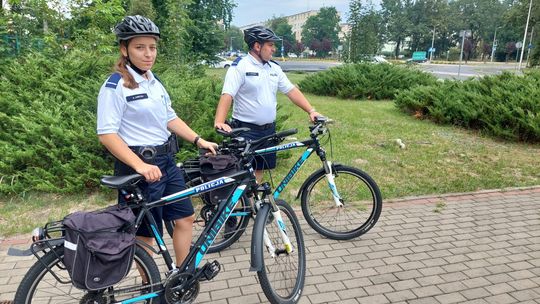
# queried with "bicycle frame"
point(312, 145)
point(207, 237)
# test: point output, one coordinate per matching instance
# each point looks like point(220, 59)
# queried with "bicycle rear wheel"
point(282, 276)
point(360, 196)
point(39, 286)
point(233, 229)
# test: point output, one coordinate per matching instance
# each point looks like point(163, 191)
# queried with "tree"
point(366, 31)
point(233, 38)
point(516, 17)
point(298, 48)
point(396, 18)
point(323, 25)
point(283, 29)
point(143, 8)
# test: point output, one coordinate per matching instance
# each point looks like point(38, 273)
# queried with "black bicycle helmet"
point(259, 34)
point(133, 26)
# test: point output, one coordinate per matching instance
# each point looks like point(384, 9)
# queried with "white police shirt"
point(253, 87)
point(139, 116)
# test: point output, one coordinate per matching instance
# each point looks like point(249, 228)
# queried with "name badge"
point(136, 97)
point(252, 74)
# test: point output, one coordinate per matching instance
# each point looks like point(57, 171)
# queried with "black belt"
point(149, 152)
point(241, 124)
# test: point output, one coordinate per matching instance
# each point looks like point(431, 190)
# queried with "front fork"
point(331, 183)
point(278, 219)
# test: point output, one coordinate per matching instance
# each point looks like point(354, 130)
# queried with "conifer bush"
point(48, 138)
point(506, 106)
point(365, 80)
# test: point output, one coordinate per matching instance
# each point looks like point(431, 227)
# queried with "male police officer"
point(252, 81)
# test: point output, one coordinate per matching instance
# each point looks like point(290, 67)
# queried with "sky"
point(252, 11)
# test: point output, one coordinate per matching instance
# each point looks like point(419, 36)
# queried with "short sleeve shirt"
point(253, 86)
point(139, 116)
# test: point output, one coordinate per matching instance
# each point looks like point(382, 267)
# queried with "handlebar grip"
point(233, 133)
point(287, 132)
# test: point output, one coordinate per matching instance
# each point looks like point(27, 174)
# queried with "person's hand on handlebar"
point(314, 114)
point(208, 145)
point(222, 126)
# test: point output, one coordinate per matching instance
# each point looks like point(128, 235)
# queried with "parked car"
point(219, 63)
point(379, 59)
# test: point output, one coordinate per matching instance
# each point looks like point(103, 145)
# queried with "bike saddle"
point(122, 181)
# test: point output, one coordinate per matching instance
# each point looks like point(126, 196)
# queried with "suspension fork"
point(278, 219)
point(328, 169)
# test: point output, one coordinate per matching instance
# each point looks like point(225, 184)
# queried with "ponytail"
point(121, 67)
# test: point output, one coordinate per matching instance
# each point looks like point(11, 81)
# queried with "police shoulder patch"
point(236, 61)
point(113, 80)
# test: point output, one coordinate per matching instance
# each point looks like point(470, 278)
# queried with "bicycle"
point(47, 280)
point(339, 202)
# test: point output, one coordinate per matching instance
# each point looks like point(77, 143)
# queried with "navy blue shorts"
point(172, 181)
point(266, 161)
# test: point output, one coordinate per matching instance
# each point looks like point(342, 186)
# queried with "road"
point(451, 71)
point(442, 71)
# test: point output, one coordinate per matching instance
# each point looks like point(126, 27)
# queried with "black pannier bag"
point(216, 166)
point(99, 246)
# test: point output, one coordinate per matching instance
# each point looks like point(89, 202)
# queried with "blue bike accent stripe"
point(334, 190)
point(158, 236)
point(238, 193)
point(240, 214)
point(222, 217)
point(198, 258)
point(291, 173)
point(281, 225)
point(140, 298)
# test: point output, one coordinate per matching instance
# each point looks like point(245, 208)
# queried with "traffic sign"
point(519, 45)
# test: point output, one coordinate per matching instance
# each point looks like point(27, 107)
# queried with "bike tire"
point(39, 286)
point(361, 198)
point(281, 277)
point(234, 227)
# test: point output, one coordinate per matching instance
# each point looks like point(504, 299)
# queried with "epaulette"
point(236, 61)
point(113, 80)
point(157, 78)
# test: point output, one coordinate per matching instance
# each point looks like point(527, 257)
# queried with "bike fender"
point(257, 244)
point(311, 177)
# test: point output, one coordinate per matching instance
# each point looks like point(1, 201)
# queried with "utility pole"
point(494, 45)
point(525, 34)
point(432, 43)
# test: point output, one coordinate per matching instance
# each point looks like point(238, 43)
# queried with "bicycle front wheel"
point(39, 285)
point(282, 274)
point(360, 198)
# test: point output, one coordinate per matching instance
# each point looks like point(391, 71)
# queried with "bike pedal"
point(210, 270)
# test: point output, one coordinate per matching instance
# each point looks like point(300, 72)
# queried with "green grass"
point(436, 159)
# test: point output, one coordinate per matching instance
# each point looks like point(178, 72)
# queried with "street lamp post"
point(432, 44)
point(494, 45)
point(525, 35)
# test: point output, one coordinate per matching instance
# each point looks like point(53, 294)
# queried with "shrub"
point(358, 81)
point(48, 119)
point(506, 106)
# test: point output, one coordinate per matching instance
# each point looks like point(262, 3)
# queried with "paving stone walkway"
point(481, 247)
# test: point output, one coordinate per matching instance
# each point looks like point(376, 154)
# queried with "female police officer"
point(134, 122)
